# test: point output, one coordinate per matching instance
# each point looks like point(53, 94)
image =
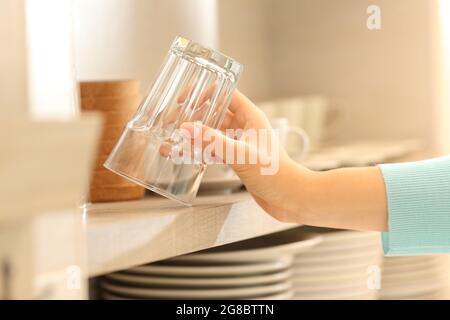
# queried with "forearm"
point(350, 198)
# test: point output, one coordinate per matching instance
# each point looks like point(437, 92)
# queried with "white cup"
point(308, 112)
point(301, 147)
point(284, 130)
point(314, 122)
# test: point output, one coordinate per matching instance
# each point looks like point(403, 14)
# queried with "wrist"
point(300, 184)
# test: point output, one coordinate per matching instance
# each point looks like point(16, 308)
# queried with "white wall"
point(50, 56)
point(128, 39)
point(36, 66)
point(244, 34)
point(380, 81)
point(13, 88)
point(118, 39)
point(441, 129)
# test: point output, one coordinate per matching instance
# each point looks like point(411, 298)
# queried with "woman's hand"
point(270, 184)
point(350, 198)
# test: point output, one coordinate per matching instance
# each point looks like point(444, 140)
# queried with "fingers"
point(240, 106)
point(205, 96)
point(196, 114)
point(246, 113)
point(229, 122)
point(196, 111)
point(240, 103)
point(172, 116)
point(165, 149)
point(184, 94)
point(240, 112)
point(214, 144)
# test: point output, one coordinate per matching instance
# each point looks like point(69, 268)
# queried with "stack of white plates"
point(259, 268)
point(415, 278)
point(345, 265)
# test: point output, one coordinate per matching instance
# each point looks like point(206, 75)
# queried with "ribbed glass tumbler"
point(194, 84)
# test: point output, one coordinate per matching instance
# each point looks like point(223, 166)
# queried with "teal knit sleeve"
point(418, 197)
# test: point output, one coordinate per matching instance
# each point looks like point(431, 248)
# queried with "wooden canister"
point(117, 101)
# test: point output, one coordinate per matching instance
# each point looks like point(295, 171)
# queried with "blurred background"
point(387, 83)
point(379, 84)
point(363, 95)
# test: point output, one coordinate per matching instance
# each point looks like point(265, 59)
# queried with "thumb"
point(214, 144)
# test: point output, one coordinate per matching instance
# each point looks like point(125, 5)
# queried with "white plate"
point(342, 251)
point(331, 279)
point(336, 236)
point(434, 295)
point(344, 242)
point(258, 249)
point(361, 294)
point(392, 262)
point(347, 267)
point(429, 296)
point(328, 288)
point(230, 293)
point(330, 282)
point(279, 296)
point(350, 245)
point(402, 268)
point(287, 295)
point(309, 260)
point(350, 239)
point(145, 280)
point(413, 275)
point(412, 288)
point(367, 240)
point(111, 296)
point(214, 270)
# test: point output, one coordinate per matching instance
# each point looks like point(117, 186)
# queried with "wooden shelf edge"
point(151, 230)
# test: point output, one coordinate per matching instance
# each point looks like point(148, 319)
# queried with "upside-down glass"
point(194, 84)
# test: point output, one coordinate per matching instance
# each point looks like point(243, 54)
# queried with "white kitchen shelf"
point(125, 234)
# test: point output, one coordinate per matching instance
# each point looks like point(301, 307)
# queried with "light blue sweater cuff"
point(418, 197)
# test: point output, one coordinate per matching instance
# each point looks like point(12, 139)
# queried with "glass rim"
point(206, 56)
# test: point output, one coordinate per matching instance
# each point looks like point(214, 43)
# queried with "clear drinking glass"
point(194, 84)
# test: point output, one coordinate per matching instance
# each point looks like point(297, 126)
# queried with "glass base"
point(150, 187)
point(137, 157)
